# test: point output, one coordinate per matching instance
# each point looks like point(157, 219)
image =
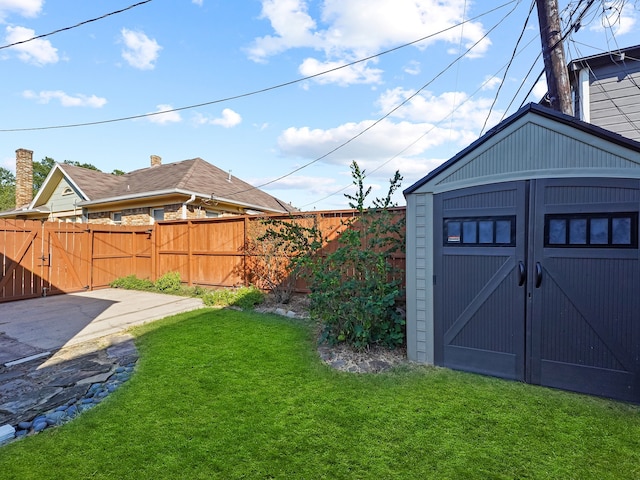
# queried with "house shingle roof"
point(195, 175)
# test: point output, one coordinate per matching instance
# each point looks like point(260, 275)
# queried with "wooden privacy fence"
point(44, 258)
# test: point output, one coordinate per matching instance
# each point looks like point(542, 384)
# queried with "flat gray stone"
point(12, 349)
point(99, 378)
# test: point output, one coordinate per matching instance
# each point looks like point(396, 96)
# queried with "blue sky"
point(171, 54)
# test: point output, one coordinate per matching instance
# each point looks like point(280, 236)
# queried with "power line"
point(75, 26)
point(434, 125)
point(450, 114)
point(386, 115)
point(262, 90)
point(506, 70)
point(573, 25)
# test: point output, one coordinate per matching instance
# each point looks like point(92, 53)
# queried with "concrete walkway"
point(51, 323)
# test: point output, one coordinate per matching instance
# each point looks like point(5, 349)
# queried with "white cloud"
point(491, 83)
point(312, 184)
point(77, 100)
point(140, 51)
point(413, 140)
point(345, 31)
point(619, 20)
point(386, 140)
point(164, 118)
point(412, 68)
point(358, 73)
point(228, 119)
point(292, 24)
point(469, 114)
point(198, 2)
point(36, 52)
point(540, 90)
point(25, 8)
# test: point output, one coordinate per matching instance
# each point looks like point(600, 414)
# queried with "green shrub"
point(170, 282)
point(355, 289)
point(132, 283)
point(247, 297)
point(243, 297)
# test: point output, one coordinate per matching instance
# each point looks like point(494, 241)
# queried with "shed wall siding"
point(613, 98)
point(419, 278)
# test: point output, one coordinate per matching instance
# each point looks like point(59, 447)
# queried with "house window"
point(594, 230)
point(67, 191)
point(210, 214)
point(116, 217)
point(480, 231)
point(157, 214)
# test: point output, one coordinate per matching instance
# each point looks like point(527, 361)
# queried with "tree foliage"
point(355, 287)
point(40, 171)
point(7, 189)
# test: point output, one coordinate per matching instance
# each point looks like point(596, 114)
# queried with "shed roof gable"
point(535, 142)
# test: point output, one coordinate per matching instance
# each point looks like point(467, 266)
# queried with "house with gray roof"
point(605, 90)
point(182, 190)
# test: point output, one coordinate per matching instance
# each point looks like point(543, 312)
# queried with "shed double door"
point(539, 281)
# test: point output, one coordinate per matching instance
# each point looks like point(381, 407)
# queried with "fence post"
point(189, 254)
point(155, 234)
point(245, 239)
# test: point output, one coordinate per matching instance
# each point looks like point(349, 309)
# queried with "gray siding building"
point(606, 90)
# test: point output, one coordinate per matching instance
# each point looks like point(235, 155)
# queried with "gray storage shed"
point(523, 260)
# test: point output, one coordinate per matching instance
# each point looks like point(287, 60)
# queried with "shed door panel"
point(585, 325)
point(480, 297)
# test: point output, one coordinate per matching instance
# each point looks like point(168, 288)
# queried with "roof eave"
point(176, 191)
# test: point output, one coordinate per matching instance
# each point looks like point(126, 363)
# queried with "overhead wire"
point(506, 70)
point(438, 122)
point(262, 90)
point(455, 90)
point(573, 25)
point(386, 115)
point(427, 132)
point(604, 91)
point(37, 37)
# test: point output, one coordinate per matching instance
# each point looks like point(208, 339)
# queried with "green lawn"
point(227, 394)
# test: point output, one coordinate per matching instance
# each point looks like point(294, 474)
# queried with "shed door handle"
point(538, 274)
point(522, 274)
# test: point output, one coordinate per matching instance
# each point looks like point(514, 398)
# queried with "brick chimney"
point(24, 177)
point(156, 161)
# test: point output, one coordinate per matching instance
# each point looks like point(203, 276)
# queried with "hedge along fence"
point(38, 257)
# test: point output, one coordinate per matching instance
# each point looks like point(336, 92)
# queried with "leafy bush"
point(170, 282)
point(243, 297)
point(282, 252)
point(133, 283)
point(355, 289)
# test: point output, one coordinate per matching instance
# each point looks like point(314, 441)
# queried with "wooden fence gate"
point(39, 259)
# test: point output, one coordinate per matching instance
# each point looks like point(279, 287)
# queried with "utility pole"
point(555, 66)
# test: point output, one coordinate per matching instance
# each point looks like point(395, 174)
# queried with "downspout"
point(184, 206)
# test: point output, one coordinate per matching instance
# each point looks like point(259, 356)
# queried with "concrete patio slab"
point(54, 322)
